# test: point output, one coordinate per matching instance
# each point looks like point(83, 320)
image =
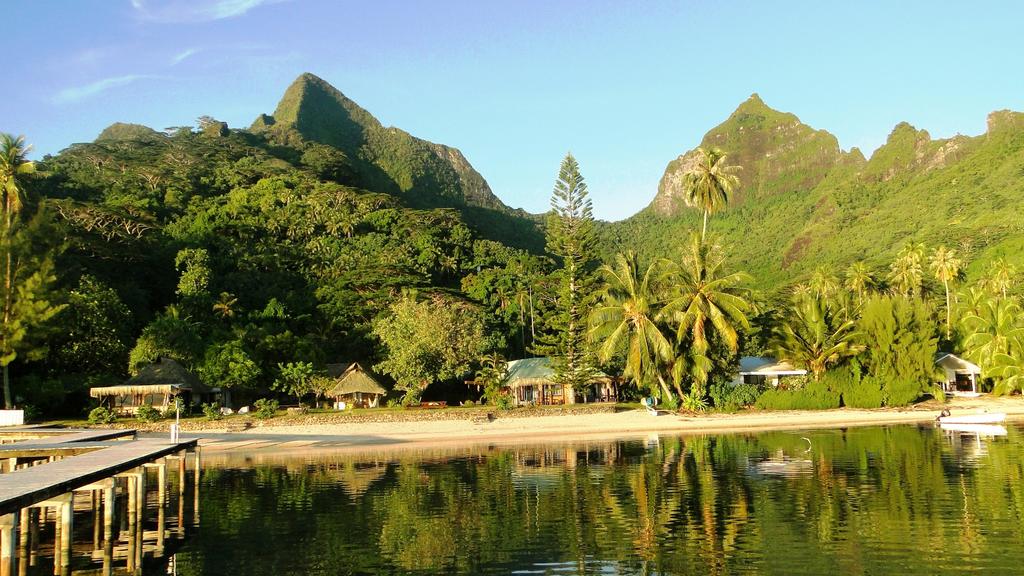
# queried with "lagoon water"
point(879, 500)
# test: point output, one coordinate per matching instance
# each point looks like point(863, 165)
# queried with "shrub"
point(504, 402)
point(177, 406)
point(147, 414)
point(212, 411)
point(729, 398)
point(265, 408)
point(815, 396)
point(694, 403)
point(102, 415)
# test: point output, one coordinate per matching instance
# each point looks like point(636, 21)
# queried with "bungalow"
point(156, 385)
point(355, 386)
point(765, 371)
point(532, 381)
point(960, 376)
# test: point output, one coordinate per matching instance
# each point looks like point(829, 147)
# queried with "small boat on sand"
point(983, 418)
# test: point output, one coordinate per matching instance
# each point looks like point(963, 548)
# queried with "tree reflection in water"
point(864, 500)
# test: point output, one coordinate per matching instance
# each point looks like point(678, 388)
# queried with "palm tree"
point(946, 267)
point(706, 301)
point(859, 279)
point(626, 315)
point(906, 271)
point(1001, 276)
point(991, 332)
point(824, 283)
point(708, 184)
point(817, 334)
point(225, 305)
point(13, 166)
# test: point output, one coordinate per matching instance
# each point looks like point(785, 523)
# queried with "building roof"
point(754, 365)
point(354, 379)
point(165, 376)
point(536, 371)
point(956, 364)
point(530, 372)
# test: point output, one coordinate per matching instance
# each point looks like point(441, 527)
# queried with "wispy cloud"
point(183, 55)
point(77, 93)
point(180, 11)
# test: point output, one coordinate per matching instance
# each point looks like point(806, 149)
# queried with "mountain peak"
point(778, 154)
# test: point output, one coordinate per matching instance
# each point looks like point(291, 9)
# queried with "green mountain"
point(388, 159)
point(804, 203)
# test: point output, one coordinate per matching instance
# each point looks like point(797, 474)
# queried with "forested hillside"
point(803, 203)
point(239, 251)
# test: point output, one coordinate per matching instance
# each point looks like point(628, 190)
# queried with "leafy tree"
point(170, 334)
point(816, 333)
point(899, 342)
point(427, 341)
point(625, 317)
point(706, 303)
point(570, 237)
point(709, 183)
point(946, 267)
point(228, 365)
point(295, 378)
point(95, 331)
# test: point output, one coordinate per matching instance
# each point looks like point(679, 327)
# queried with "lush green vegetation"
point(256, 257)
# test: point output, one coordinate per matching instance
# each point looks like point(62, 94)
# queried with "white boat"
point(984, 418)
point(979, 429)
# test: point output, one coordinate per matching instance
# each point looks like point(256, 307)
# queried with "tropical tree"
point(625, 318)
point(14, 164)
point(570, 237)
point(946, 267)
point(859, 279)
point(708, 184)
point(906, 271)
point(706, 302)
point(492, 375)
point(295, 378)
point(991, 332)
point(225, 305)
point(899, 342)
point(429, 340)
point(816, 334)
point(1001, 276)
point(28, 300)
point(824, 283)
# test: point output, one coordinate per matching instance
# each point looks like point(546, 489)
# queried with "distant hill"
point(804, 203)
point(386, 158)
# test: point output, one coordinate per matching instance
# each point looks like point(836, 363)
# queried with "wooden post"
point(8, 535)
point(133, 517)
point(33, 541)
point(67, 519)
point(23, 538)
point(195, 505)
point(97, 526)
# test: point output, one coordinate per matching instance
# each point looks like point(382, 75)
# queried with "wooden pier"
point(46, 471)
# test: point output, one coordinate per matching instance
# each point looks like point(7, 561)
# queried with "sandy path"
point(378, 435)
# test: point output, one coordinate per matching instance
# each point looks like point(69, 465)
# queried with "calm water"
point(893, 500)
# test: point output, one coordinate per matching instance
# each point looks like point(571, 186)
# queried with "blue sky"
point(626, 86)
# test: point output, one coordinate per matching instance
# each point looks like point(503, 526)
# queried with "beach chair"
point(649, 405)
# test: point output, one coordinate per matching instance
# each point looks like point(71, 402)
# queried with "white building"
point(765, 371)
point(961, 376)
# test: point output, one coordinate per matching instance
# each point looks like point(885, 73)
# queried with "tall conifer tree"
point(570, 237)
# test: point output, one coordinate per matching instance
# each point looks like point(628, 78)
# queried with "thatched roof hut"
point(355, 385)
point(155, 383)
point(532, 380)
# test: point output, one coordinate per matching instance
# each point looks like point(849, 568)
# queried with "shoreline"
point(389, 436)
